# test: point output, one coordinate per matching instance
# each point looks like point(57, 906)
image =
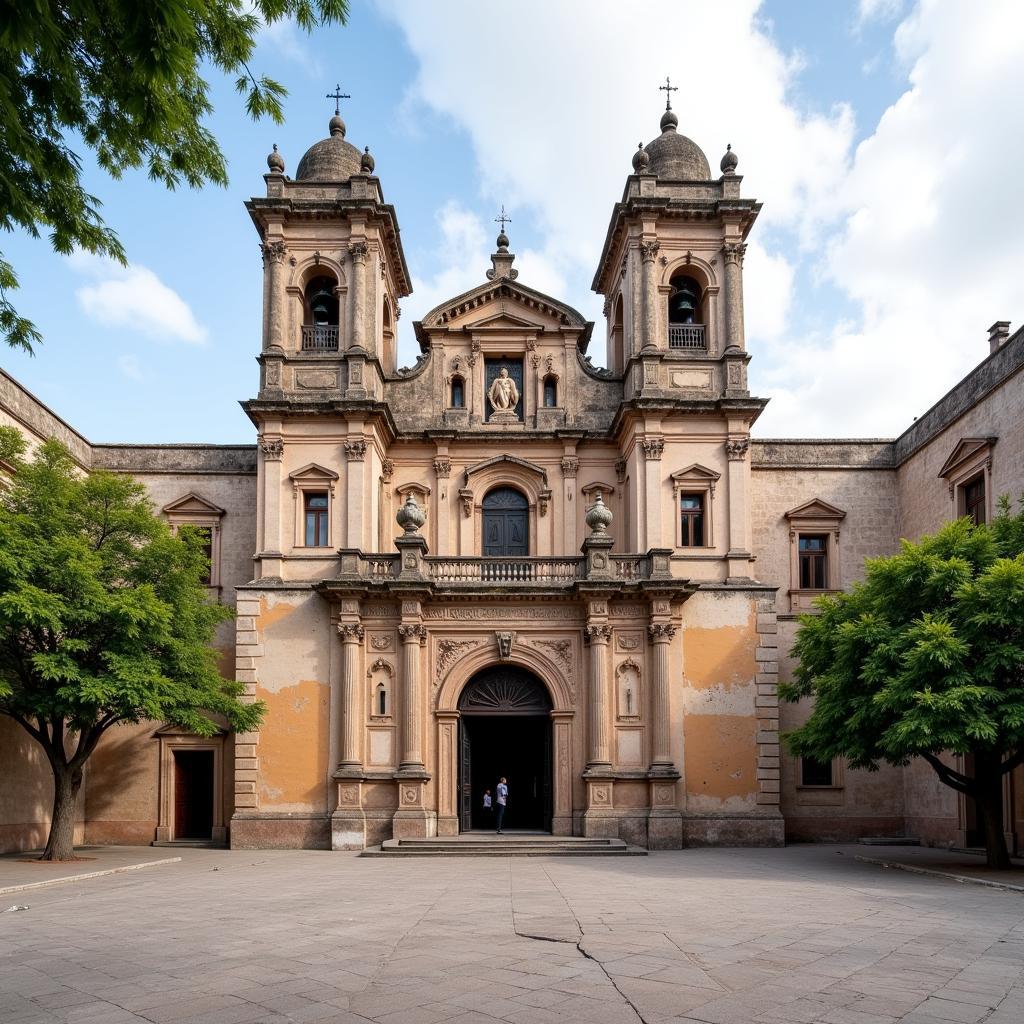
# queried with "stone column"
point(358, 251)
point(273, 258)
point(351, 711)
point(413, 635)
point(271, 453)
point(598, 635)
point(739, 555)
point(648, 252)
point(661, 635)
point(355, 460)
point(733, 252)
point(653, 447)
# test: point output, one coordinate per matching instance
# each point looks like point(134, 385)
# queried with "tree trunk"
point(66, 784)
point(988, 797)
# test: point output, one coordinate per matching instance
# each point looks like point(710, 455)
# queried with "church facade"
point(506, 561)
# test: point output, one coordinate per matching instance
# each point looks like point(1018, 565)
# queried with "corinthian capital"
point(355, 451)
point(648, 250)
point(736, 449)
point(358, 251)
point(598, 633)
point(734, 253)
point(274, 252)
point(272, 448)
point(413, 632)
point(350, 632)
point(661, 632)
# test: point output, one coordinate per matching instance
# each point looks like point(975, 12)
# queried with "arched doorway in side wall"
point(505, 729)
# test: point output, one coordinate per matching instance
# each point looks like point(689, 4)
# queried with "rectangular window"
point(316, 519)
point(691, 513)
point(813, 561)
point(974, 499)
point(206, 533)
point(814, 772)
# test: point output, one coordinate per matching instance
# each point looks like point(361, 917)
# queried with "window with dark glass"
point(691, 515)
point(814, 772)
point(550, 392)
point(458, 393)
point(974, 499)
point(382, 700)
point(813, 561)
point(316, 520)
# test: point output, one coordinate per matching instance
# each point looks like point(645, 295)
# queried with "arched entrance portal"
point(505, 729)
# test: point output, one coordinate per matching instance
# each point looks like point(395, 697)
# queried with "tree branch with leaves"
point(124, 80)
point(104, 619)
point(925, 658)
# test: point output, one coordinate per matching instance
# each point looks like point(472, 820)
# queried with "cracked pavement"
point(795, 936)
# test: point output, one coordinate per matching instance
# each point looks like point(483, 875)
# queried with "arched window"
point(381, 707)
point(458, 399)
point(550, 391)
point(320, 323)
point(685, 314)
point(617, 353)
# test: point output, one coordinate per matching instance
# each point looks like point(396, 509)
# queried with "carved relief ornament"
point(736, 449)
point(442, 467)
point(355, 451)
point(653, 447)
point(570, 465)
point(272, 448)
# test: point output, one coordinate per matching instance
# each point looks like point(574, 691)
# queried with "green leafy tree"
point(123, 79)
point(103, 619)
point(925, 657)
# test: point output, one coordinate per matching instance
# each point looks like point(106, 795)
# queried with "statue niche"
point(504, 379)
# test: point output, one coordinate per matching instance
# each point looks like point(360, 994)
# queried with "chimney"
point(998, 334)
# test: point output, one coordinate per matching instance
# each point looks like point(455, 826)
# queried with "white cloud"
point(134, 297)
point(910, 233)
point(926, 246)
point(285, 39)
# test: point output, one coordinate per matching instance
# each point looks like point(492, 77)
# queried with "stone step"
point(502, 846)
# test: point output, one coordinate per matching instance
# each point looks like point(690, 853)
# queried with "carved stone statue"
point(504, 394)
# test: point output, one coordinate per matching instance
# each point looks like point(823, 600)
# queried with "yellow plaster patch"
point(721, 758)
point(293, 747)
point(720, 657)
point(272, 614)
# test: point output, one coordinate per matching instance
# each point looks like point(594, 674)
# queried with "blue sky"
point(881, 136)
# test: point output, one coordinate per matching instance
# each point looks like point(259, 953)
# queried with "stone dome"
point(675, 156)
point(330, 159)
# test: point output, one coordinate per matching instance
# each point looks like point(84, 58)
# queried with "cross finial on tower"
point(668, 88)
point(503, 219)
point(338, 96)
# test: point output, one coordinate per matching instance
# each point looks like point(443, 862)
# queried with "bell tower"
point(671, 271)
point(334, 272)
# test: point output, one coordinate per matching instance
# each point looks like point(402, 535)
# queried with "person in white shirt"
point(502, 795)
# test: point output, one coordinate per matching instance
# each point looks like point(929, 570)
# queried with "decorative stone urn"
point(410, 516)
point(599, 515)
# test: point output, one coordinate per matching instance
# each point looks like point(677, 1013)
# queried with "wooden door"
point(465, 778)
point(506, 524)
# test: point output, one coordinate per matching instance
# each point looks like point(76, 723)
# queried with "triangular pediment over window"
point(695, 473)
point(968, 449)
point(505, 303)
point(313, 471)
point(816, 508)
point(192, 504)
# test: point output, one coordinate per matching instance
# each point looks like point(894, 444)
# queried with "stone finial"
point(366, 162)
point(410, 517)
point(275, 162)
point(336, 125)
point(641, 158)
point(502, 259)
point(729, 161)
point(599, 515)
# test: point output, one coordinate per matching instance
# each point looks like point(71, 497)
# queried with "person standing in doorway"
point(502, 799)
point(487, 807)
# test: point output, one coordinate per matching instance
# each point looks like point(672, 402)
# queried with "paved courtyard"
point(805, 934)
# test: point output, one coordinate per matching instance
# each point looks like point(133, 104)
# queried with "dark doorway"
point(193, 794)
point(505, 730)
point(506, 530)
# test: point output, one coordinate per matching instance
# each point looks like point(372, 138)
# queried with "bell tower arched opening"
point(505, 731)
point(685, 313)
point(320, 315)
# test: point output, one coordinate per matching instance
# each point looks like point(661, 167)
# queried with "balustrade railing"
point(688, 337)
point(525, 569)
point(631, 567)
point(320, 337)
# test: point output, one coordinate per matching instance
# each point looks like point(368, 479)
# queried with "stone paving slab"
point(22, 872)
point(958, 865)
point(805, 935)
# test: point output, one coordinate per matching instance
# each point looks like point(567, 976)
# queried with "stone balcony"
point(527, 574)
point(320, 337)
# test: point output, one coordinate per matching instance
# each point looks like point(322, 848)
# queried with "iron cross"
point(503, 220)
point(668, 88)
point(338, 96)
